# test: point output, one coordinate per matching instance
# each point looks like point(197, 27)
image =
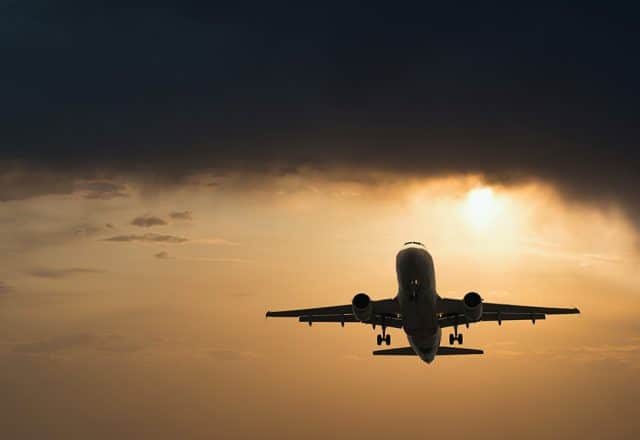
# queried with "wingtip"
point(266, 315)
point(576, 310)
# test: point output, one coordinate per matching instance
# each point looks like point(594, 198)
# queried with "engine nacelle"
point(362, 307)
point(472, 303)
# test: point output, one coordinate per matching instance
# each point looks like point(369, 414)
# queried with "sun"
point(480, 208)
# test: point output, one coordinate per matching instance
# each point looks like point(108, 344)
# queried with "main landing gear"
point(384, 337)
point(455, 336)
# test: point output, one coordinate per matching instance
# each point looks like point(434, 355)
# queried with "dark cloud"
point(511, 93)
point(147, 221)
point(24, 181)
point(148, 237)
point(110, 342)
point(61, 273)
point(163, 255)
point(181, 215)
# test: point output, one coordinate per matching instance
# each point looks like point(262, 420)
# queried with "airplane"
point(420, 311)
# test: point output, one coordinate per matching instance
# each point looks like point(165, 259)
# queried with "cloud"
point(101, 190)
point(147, 221)
point(181, 215)
point(217, 259)
point(4, 288)
point(61, 273)
point(56, 344)
point(148, 238)
point(32, 238)
point(407, 107)
point(109, 342)
point(164, 255)
point(21, 181)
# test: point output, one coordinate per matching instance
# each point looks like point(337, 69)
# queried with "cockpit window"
point(413, 242)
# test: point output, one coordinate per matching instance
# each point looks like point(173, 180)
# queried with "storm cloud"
point(514, 94)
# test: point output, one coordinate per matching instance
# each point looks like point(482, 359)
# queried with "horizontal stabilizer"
point(444, 351)
point(402, 351)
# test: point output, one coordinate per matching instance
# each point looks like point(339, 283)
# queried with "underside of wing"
point(384, 307)
point(510, 308)
point(452, 320)
point(453, 312)
point(384, 313)
point(378, 319)
point(447, 306)
point(317, 311)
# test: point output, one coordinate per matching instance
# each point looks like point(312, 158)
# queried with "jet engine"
point(472, 303)
point(362, 307)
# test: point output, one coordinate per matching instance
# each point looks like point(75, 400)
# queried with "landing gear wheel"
point(387, 339)
point(379, 339)
point(451, 339)
point(460, 339)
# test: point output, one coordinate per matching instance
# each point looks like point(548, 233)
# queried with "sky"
point(168, 174)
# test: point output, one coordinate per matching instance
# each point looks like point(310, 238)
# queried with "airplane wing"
point(459, 319)
point(452, 312)
point(386, 313)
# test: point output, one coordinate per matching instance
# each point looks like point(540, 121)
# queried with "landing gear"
point(455, 336)
point(384, 337)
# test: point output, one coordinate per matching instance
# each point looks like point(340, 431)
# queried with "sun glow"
point(481, 208)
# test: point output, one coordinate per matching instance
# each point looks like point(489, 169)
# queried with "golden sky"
point(139, 312)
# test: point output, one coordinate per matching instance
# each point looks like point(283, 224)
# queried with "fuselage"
point(417, 297)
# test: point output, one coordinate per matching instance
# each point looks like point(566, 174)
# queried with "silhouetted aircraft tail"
point(442, 351)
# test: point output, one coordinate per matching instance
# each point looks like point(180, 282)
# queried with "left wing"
point(385, 313)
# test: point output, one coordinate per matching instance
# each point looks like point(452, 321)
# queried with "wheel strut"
point(384, 336)
point(455, 336)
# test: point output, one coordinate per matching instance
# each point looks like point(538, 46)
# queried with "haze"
point(137, 337)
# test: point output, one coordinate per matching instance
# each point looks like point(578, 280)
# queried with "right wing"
point(451, 312)
point(386, 313)
point(448, 306)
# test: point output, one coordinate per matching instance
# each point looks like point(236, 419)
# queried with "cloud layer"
point(147, 221)
point(43, 272)
point(528, 93)
point(148, 238)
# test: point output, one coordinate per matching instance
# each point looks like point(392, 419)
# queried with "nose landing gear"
point(455, 336)
point(384, 337)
